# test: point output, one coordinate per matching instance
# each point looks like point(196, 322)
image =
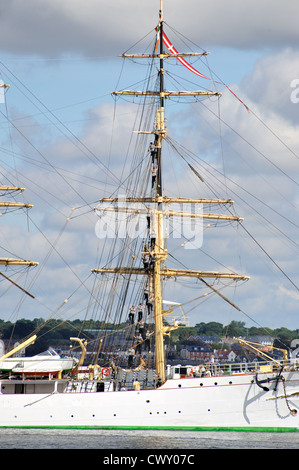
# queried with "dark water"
point(138, 440)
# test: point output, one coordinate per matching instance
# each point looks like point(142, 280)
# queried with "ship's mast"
point(157, 248)
point(13, 205)
point(14, 261)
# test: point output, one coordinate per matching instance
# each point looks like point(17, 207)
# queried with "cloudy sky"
point(58, 119)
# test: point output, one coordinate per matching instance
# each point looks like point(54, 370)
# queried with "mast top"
point(161, 11)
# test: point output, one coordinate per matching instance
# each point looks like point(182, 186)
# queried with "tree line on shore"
point(58, 332)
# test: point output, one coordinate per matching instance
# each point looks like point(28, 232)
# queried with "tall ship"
point(144, 392)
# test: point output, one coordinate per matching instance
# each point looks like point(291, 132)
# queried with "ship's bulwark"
point(204, 403)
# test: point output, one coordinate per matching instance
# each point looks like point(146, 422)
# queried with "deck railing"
point(231, 368)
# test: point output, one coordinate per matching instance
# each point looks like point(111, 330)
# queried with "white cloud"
point(101, 27)
point(272, 83)
point(291, 293)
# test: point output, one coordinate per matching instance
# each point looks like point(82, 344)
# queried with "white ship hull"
point(207, 403)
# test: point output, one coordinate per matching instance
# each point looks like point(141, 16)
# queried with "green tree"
point(211, 329)
point(235, 329)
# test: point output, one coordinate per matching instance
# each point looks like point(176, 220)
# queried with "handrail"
point(236, 368)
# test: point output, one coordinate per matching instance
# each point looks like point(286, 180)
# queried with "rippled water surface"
point(117, 439)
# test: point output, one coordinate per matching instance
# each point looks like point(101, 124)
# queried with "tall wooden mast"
point(157, 247)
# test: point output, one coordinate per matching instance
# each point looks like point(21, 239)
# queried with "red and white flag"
point(173, 50)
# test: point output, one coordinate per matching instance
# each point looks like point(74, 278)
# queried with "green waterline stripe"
point(166, 428)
